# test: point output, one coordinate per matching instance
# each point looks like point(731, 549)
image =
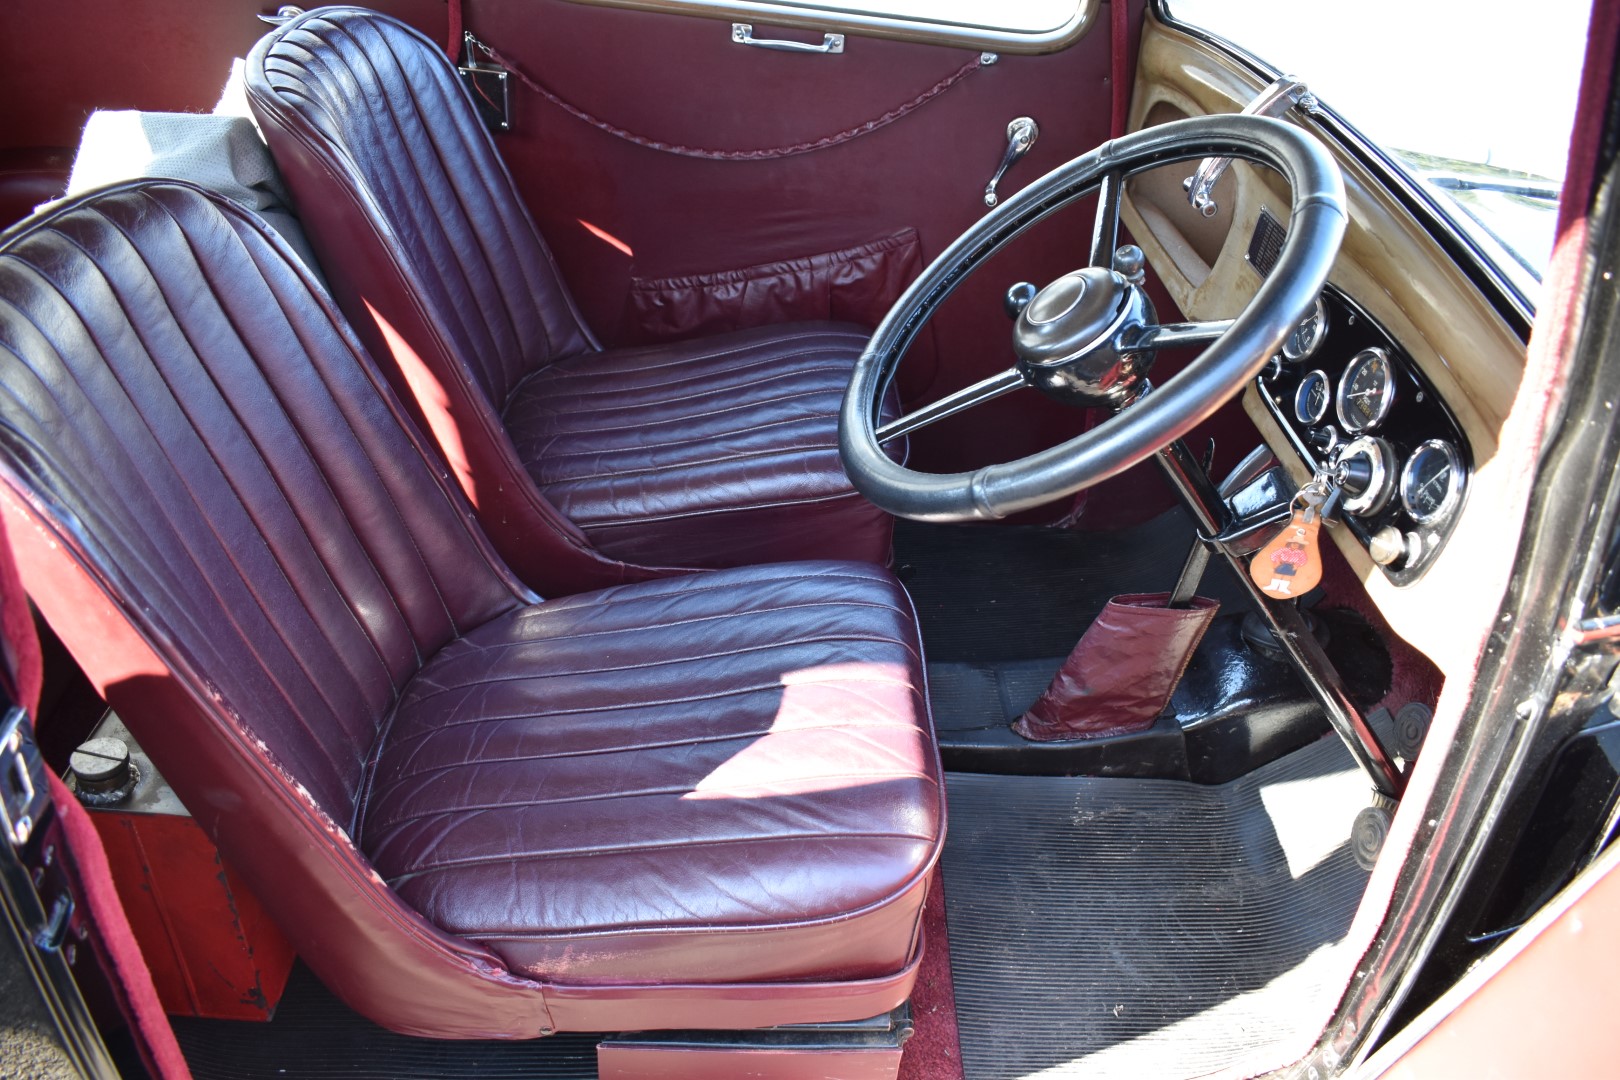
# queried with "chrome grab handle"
point(1274, 100)
point(1021, 136)
point(743, 34)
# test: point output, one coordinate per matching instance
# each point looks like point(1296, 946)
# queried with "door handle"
point(743, 34)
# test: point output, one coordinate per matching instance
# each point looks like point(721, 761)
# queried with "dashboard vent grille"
point(1266, 243)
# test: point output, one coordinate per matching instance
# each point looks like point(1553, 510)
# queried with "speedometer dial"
point(1366, 391)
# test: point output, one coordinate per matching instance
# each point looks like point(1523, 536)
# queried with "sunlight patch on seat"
point(825, 736)
point(429, 392)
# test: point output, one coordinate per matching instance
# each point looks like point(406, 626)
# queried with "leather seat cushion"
point(722, 451)
point(716, 778)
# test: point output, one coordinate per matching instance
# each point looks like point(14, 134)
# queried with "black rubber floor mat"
point(314, 1035)
point(964, 696)
point(1149, 928)
point(1020, 592)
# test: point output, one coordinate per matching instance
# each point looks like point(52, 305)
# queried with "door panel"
point(681, 80)
point(612, 210)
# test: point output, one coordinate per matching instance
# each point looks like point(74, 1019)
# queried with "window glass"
point(1016, 16)
point(1474, 101)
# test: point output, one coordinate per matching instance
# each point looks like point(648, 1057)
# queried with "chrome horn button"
point(1074, 339)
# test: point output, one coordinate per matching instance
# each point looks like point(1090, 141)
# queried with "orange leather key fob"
point(1291, 565)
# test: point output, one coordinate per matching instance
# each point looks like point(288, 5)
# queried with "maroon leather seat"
point(683, 433)
point(709, 800)
point(587, 467)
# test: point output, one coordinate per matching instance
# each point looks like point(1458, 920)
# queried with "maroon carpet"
point(1414, 678)
point(933, 1053)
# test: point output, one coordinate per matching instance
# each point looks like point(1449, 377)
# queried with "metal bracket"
point(24, 790)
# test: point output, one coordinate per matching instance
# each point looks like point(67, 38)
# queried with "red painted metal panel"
point(1548, 1012)
point(212, 949)
point(688, 1063)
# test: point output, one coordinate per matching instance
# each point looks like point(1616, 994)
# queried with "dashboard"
point(1393, 288)
point(1353, 403)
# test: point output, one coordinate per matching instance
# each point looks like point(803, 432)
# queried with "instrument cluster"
point(1355, 405)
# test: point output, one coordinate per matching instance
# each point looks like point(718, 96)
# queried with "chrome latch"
point(24, 792)
point(1274, 100)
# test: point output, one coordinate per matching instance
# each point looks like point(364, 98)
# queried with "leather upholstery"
point(611, 786)
point(1123, 671)
point(853, 284)
point(220, 509)
point(439, 265)
point(719, 446)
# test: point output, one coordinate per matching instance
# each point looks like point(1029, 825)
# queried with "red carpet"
point(933, 1053)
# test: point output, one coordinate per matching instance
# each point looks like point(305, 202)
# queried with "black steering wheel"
point(1089, 337)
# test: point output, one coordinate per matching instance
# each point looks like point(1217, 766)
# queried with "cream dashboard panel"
point(1388, 264)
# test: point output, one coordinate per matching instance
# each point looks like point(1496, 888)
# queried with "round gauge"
point(1366, 391)
point(1311, 399)
point(1432, 482)
point(1308, 335)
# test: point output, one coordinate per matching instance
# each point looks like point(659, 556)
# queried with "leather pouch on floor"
point(1120, 676)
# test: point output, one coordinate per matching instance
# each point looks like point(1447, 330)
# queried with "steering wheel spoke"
point(1176, 335)
point(1105, 229)
point(1002, 382)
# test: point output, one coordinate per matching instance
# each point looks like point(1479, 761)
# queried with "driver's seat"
point(711, 800)
point(588, 467)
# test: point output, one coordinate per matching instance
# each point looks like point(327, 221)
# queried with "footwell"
point(1150, 928)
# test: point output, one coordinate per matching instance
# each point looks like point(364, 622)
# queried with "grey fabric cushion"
point(219, 152)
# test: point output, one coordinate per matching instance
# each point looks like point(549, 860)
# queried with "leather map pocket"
point(855, 284)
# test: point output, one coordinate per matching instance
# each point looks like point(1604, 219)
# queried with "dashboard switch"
point(1387, 546)
point(1366, 471)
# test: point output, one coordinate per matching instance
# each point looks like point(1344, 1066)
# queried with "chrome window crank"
point(1021, 135)
point(1274, 100)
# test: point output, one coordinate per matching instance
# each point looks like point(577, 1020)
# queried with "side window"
point(1477, 111)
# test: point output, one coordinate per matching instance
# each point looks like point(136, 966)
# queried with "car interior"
point(682, 538)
